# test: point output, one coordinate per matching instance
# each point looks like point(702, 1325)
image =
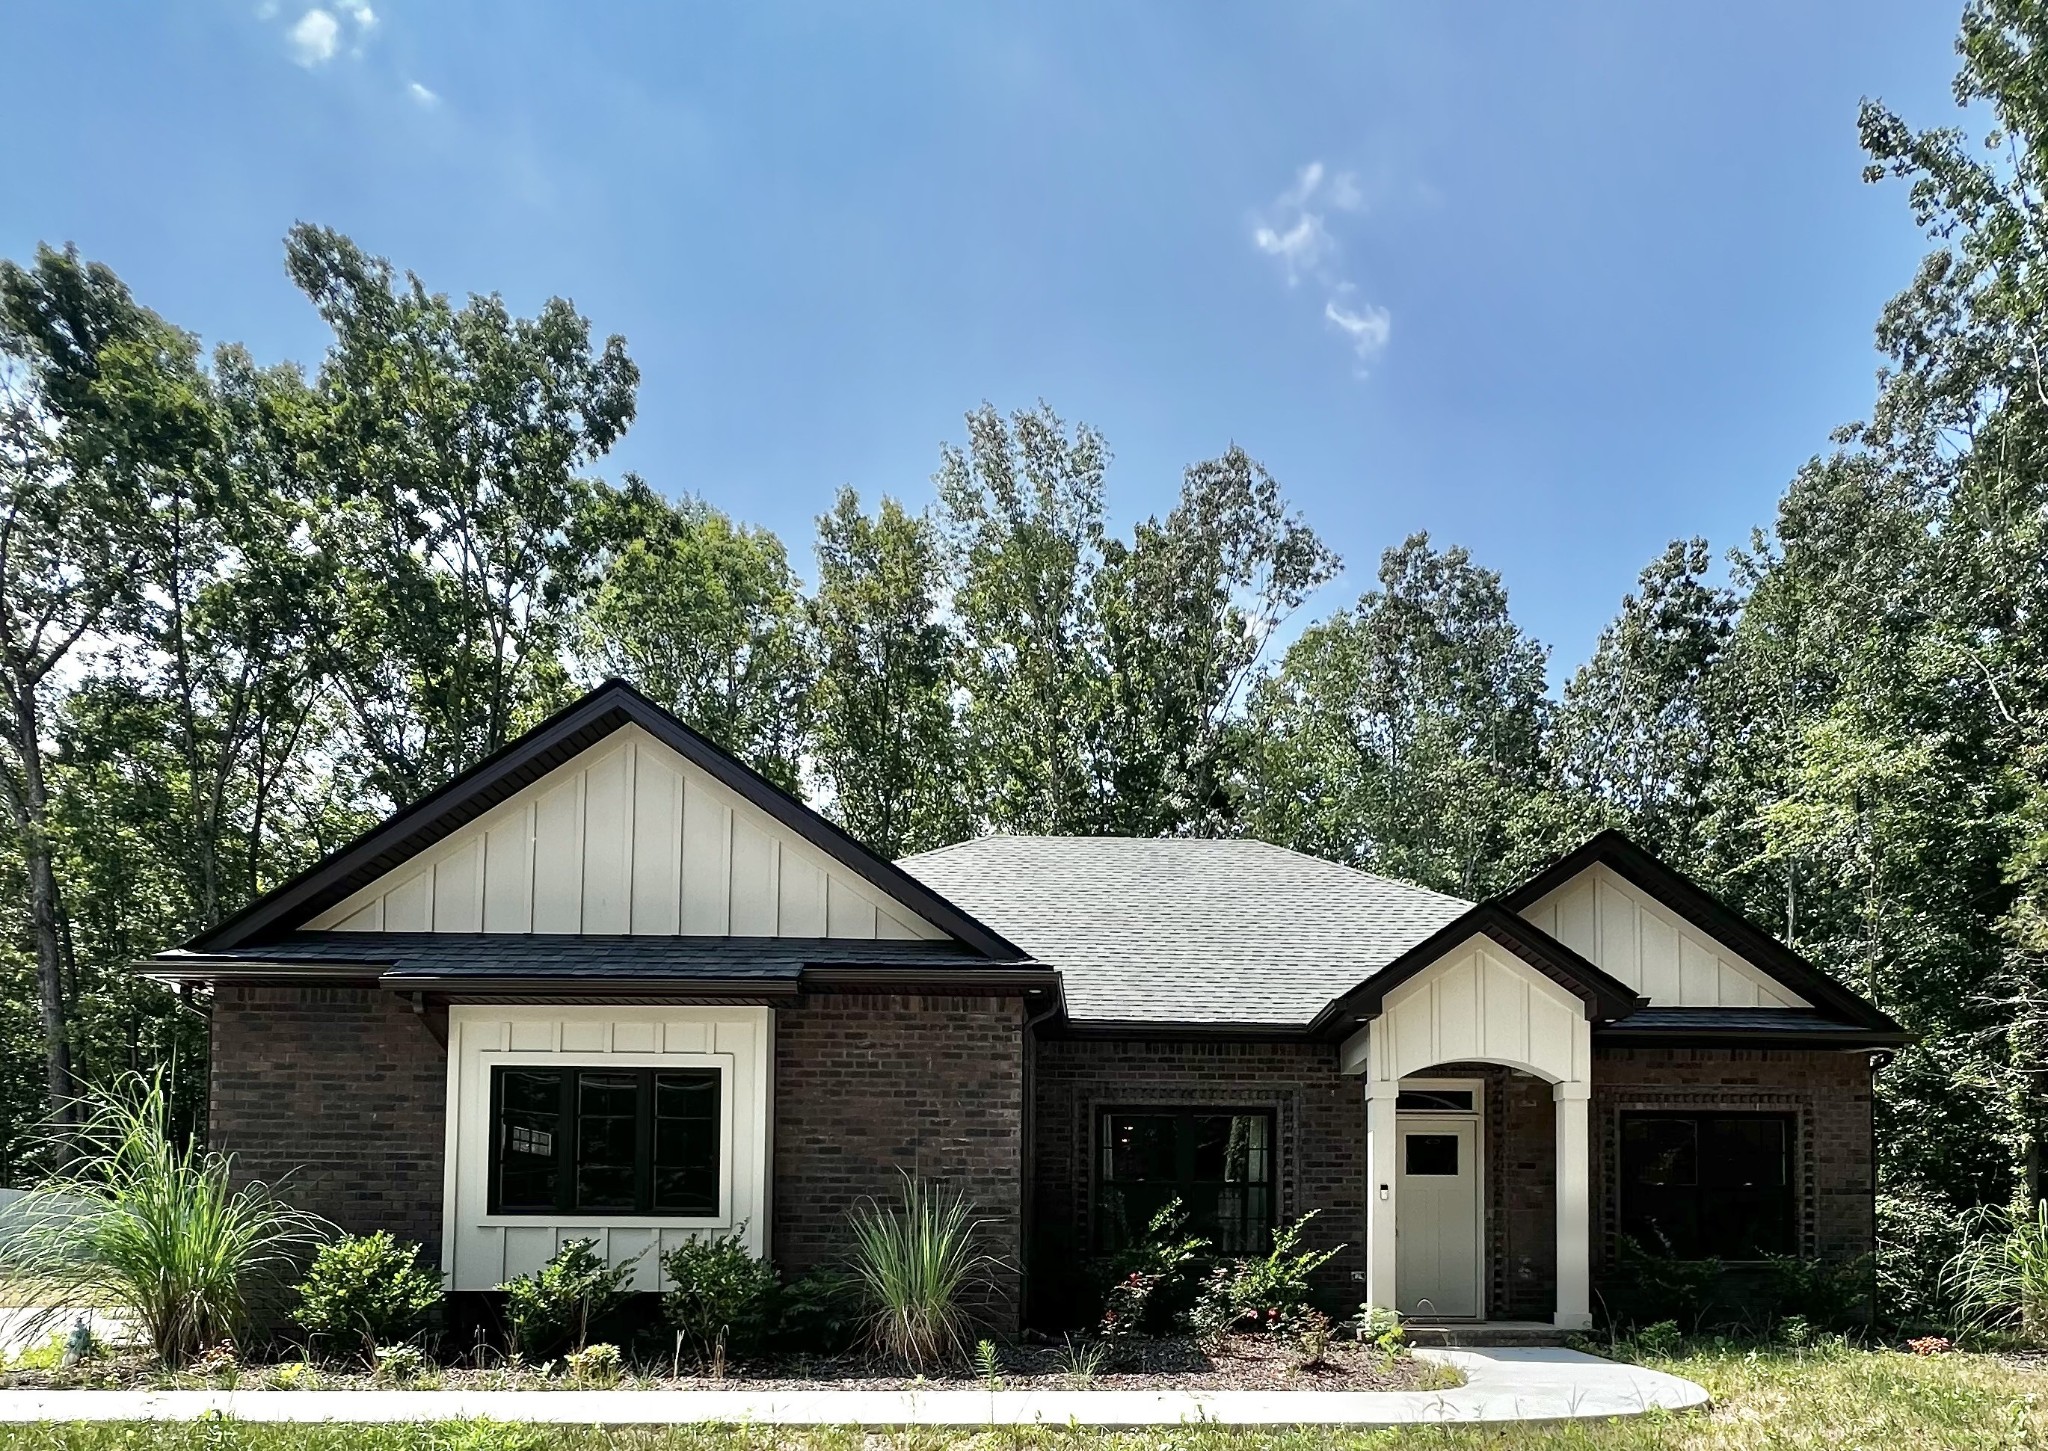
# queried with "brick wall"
point(1827, 1093)
point(338, 1092)
point(866, 1085)
point(1318, 1116)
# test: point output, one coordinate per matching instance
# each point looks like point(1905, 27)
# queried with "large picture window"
point(1217, 1162)
point(605, 1141)
point(1708, 1185)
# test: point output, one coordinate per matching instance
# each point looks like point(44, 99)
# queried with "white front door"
point(1437, 1219)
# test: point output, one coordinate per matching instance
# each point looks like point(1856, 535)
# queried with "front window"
point(583, 1141)
point(1217, 1162)
point(1708, 1185)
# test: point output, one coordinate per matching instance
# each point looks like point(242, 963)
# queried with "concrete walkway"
point(1535, 1384)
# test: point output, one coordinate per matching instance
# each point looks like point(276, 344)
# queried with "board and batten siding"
point(480, 1251)
point(1620, 929)
point(1476, 1003)
point(626, 838)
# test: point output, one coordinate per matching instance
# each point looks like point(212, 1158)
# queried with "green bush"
point(721, 1298)
point(154, 1228)
point(366, 1291)
point(1646, 1287)
point(553, 1309)
point(819, 1313)
point(1148, 1289)
point(917, 1262)
point(1270, 1293)
point(595, 1367)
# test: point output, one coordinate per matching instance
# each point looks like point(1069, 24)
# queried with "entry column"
point(1382, 1162)
point(1574, 1207)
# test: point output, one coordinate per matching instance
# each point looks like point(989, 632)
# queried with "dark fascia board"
point(1606, 997)
point(1026, 978)
point(1712, 916)
point(568, 732)
point(1852, 1039)
point(1151, 1030)
point(456, 986)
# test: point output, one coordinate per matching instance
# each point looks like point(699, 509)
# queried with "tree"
point(1404, 735)
point(1634, 738)
point(455, 441)
point(885, 735)
point(1021, 513)
point(703, 615)
point(83, 424)
point(1185, 611)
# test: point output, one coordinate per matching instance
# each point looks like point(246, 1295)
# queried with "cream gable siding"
point(1476, 1003)
point(1622, 930)
point(481, 1250)
point(627, 838)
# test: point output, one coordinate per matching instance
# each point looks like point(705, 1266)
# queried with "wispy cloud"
point(1294, 231)
point(422, 95)
point(319, 35)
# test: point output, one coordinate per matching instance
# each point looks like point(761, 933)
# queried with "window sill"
point(548, 1220)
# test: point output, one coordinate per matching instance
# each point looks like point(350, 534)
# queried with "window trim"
point(568, 1128)
point(1794, 1195)
point(490, 1060)
point(1097, 1181)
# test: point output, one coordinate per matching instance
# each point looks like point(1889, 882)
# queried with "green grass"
point(1828, 1400)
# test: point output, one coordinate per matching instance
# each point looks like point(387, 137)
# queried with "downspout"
point(1028, 1153)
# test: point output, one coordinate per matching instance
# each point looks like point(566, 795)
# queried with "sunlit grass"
point(1833, 1398)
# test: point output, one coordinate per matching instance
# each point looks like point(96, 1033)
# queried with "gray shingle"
point(1184, 930)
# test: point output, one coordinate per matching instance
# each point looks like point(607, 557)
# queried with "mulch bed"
point(1244, 1362)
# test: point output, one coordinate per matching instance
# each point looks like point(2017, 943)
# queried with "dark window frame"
point(1711, 1203)
point(567, 1121)
point(1101, 1183)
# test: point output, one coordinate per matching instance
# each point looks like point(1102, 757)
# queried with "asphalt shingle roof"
point(1187, 931)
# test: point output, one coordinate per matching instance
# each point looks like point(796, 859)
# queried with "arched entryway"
point(1477, 1003)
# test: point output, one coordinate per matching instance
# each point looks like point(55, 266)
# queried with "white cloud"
point(1302, 249)
point(364, 17)
point(315, 38)
point(1367, 327)
point(422, 95)
point(1293, 230)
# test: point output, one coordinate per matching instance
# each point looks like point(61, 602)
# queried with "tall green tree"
point(86, 423)
point(885, 733)
point(1405, 735)
point(1185, 611)
point(705, 616)
point(1021, 511)
point(1634, 738)
point(457, 436)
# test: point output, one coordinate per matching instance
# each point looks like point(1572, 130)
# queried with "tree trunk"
point(33, 817)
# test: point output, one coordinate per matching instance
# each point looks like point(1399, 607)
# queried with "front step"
point(1483, 1334)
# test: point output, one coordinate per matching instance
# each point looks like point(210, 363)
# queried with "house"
point(611, 983)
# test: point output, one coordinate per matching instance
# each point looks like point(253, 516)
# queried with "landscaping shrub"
point(819, 1313)
point(366, 1291)
point(1149, 1289)
point(155, 1229)
point(397, 1364)
point(596, 1367)
point(916, 1262)
point(1644, 1287)
point(552, 1309)
point(721, 1298)
point(1999, 1279)
point(1271, 1293)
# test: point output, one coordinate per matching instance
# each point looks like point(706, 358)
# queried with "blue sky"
point(1558, 282)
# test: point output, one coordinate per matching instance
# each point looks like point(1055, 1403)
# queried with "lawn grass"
point(1833, 1398)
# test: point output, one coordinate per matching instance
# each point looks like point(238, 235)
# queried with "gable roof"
point(563, 735)
point(1606, 997)
point(1682, 895)
point(1185, 931)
